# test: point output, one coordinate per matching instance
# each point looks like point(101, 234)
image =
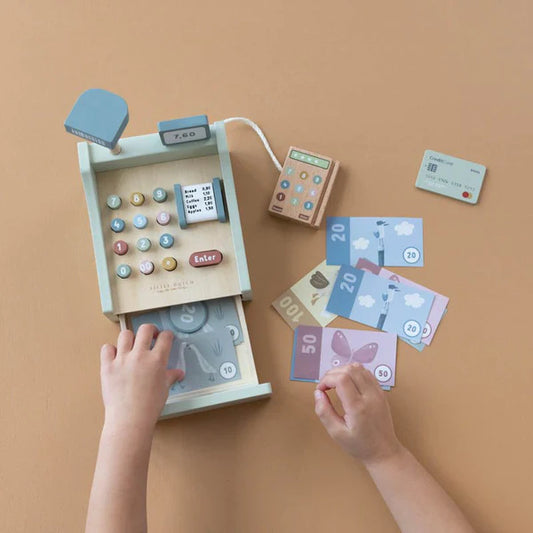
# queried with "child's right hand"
point(365, 430)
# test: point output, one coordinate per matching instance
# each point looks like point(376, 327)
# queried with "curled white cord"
point(257, 130)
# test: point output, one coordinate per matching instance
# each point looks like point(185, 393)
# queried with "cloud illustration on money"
point(404, 228)
point(361, 243)
point(414, 300)
point(366, 300)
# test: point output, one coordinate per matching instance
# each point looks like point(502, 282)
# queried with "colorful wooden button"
point(159, 195)
point(120, 247)
point(137, 199)
point(140, 221)
point(144, 244)
point(169, 263)
point(146, 267)
point(163, 218)
point(123, 271)
point(206, 258)
point(117, 225)
point(113, 201)
point(166, 240)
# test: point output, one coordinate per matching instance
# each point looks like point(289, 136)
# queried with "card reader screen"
point(311, 159)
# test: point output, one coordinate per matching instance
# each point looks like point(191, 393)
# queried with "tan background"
point(372, 84)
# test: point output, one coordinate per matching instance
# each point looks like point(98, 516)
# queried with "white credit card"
point(451, 176)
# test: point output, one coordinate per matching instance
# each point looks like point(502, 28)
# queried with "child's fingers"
point(107, 354)
point(344, 385)
point(330, 419)
point(145, 336)
point(163, 344)
point(173, 375)
point(125, 341)
point(361, 378)
point(372, 382)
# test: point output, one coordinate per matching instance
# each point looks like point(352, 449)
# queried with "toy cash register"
point(168, 245)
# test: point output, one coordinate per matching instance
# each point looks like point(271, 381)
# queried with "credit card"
point(317, 350)
point(451, 176)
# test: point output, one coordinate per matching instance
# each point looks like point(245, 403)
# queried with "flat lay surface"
point(371, 85)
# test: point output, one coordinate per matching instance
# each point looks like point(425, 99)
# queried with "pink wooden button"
point(163, 218)
point(120, 247)
point(146, 267)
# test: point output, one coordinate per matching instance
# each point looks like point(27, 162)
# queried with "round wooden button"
point(144, 244)
point(159, 195)
point(140, 221)
point(120, 247)
point(113, 201)
point(117, 225)
point(123, 271)
point(163, 218)
point(166, 240)
point(146, 267)
point(169, 263)
point(137, 198)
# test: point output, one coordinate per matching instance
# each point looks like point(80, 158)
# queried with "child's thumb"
point(173, 375)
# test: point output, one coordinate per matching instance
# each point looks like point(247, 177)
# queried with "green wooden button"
point(113, 201)
point(160, 195)
point(123, 271)
point(144, 244)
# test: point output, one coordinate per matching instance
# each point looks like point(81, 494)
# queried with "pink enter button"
point(207, 258)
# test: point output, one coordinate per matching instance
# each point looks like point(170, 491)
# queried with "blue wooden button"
point(166, 240)
point(159, 195)
point(144, 244)
point(140, 221)
point(113, 201)
point(123, 271)
point(117, 225)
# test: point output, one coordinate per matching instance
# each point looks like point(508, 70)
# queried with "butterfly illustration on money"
point(344, 353)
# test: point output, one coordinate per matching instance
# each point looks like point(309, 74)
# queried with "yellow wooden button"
point(137, 198)
point(169, 263)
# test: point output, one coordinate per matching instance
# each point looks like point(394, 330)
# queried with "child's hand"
point(135, 379)
point(365, 431)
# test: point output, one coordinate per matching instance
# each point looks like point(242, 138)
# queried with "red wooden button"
point(120, 247)
point(207, 258)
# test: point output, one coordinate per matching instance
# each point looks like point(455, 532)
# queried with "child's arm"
point(417, 502)
point(135, 383)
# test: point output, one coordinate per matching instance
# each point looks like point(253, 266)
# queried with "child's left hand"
point(135, 378)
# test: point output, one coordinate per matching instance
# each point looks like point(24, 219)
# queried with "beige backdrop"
point(372, 84)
